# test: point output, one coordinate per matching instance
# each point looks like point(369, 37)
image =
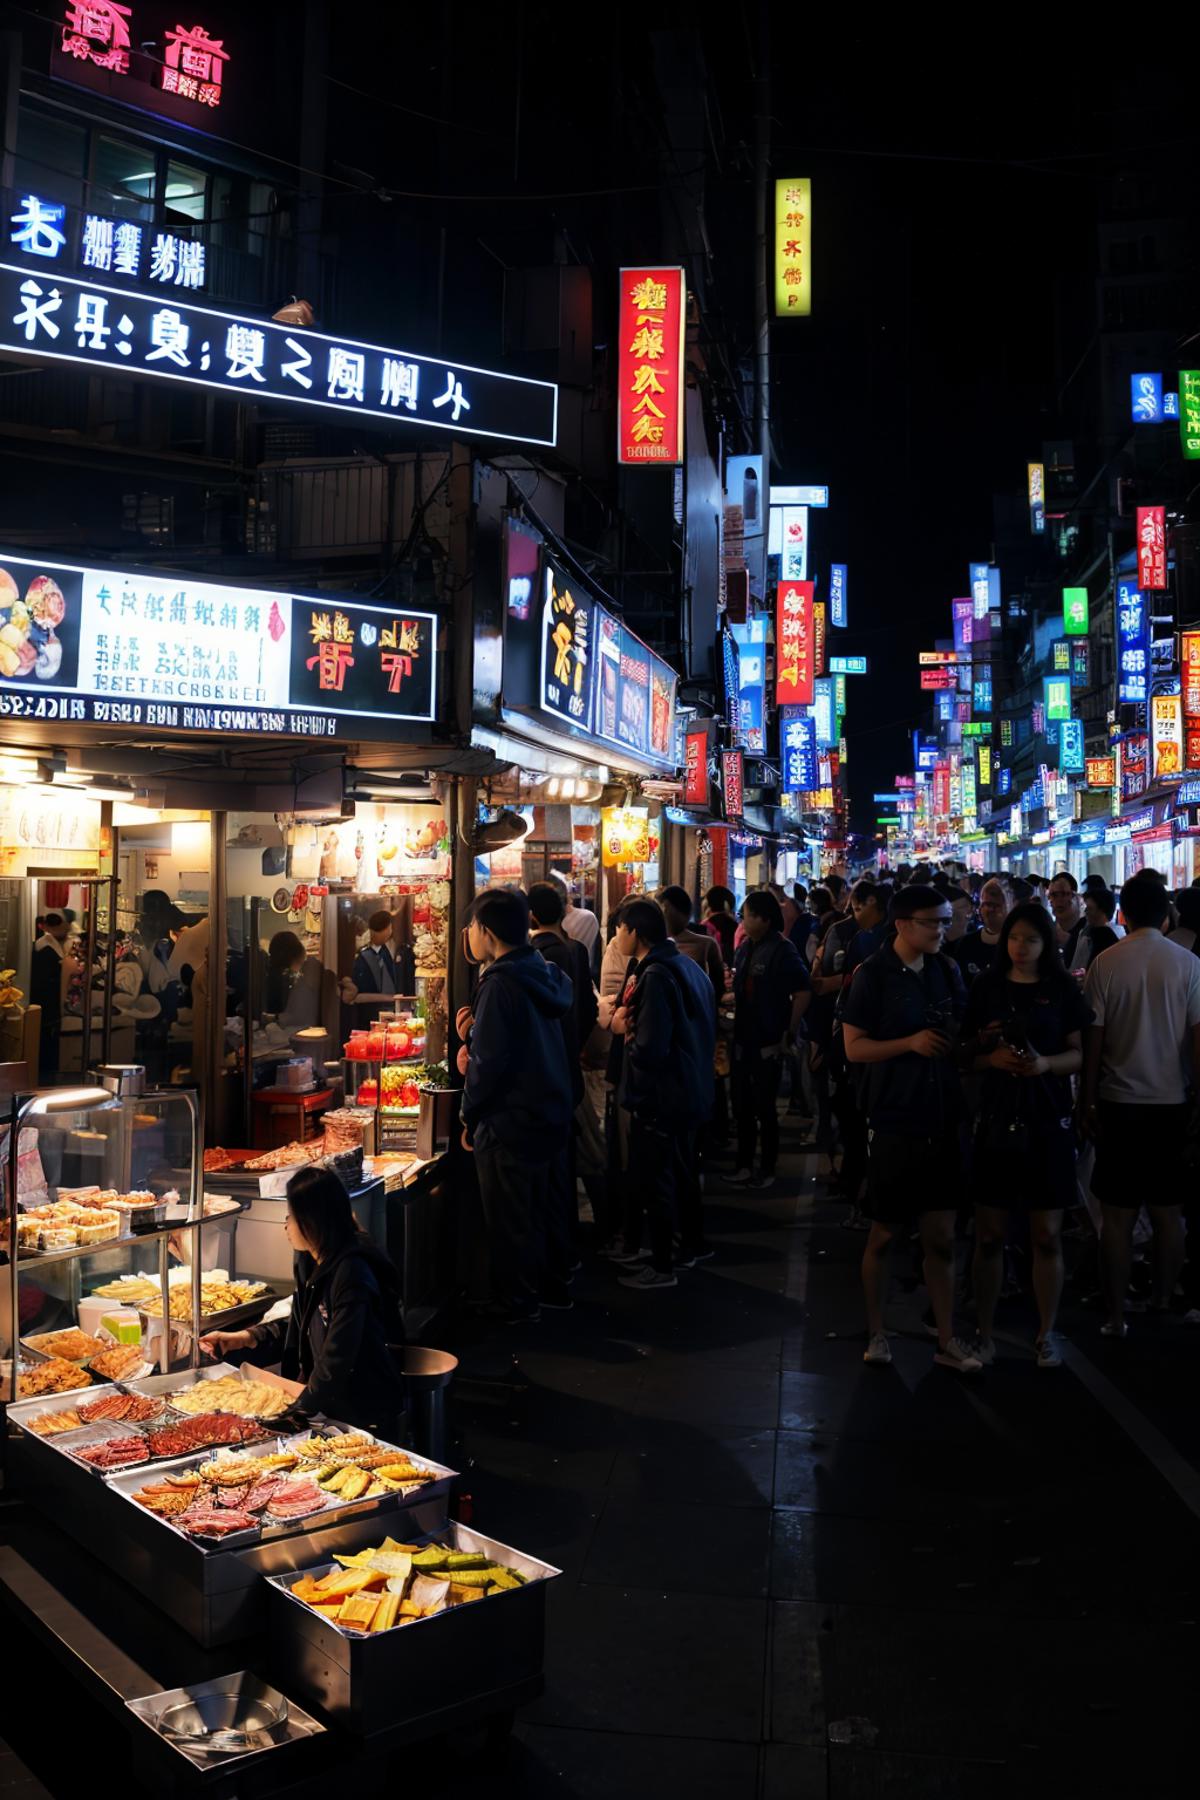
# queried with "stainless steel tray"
point(412, 1678)
point(166, 1385)
point(216, 1765)
point(248, 1313)
point(21, 1411)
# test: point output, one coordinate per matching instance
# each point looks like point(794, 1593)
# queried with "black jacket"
point(569, 955)
point(518, 1086)
point(668, 1079)
point(345, 1313)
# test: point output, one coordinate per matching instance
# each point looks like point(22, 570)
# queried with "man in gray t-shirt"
point(1140, 1086)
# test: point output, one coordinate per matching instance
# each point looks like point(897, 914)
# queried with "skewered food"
point(53, 1424)
point(200, 1433)
point(114, 1453)
point(53, 1377)
point(118, 1362)
point(129, 1409)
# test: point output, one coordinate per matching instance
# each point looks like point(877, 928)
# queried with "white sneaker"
point(1118, 1331)
point(740, 1177)
point(985, 1350)
point(1049, 1351)
point(957, 1356)
point(649, 1277)
point(878, 1350)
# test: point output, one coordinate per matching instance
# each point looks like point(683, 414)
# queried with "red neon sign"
point(695, 778)
point(193, 64)
point(96, 31)
point(650, 366)
point(794, 643)
point(731, 772)
point(1152, 548)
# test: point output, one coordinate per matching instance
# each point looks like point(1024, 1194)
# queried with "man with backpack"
point(771, 994)
point(900, 1020)
point(667, 1019)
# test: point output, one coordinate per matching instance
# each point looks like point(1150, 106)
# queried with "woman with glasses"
point(900, 1021)
point(1026, 1017)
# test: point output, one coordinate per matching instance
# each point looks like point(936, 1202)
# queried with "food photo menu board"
point(156, 648)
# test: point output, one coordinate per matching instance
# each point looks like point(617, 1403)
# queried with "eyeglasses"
point(938, 921)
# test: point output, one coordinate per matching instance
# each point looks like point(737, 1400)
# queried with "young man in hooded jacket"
point(667, 1019)
point(517, 1102)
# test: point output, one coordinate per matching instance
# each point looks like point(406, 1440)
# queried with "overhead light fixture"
point(296, 312)
point(507, 829)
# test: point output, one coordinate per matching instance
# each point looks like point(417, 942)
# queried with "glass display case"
point(103, 1213)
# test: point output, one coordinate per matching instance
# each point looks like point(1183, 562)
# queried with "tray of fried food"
point(69, 1345)
point(170, 1494)
point(121, 1362)
point(117, 1408)
point(130, 1290)
point(355, 1466)
point(53, 1424)
point(54, 1377)
point(223, 1304)
point(287, 1156)
point(232, 1394)
point(231, 1469)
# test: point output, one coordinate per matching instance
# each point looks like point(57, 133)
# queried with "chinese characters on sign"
point(837, 594)
point(1070, 746)
point(624, 835)
point(567, 652)
point(1057, 697)
point(847, 665)
point(98, 31)
point(192, 65)
point(51, 316)
point(1189, 413)
point(158, 650)
point(650, 405)
point(1146, 399)
point(1075, 611)
point(1133, 639)
point(110, 246)
point(1189, 658)
point(1152, 548)
point(793, 248)
point(1037, 497)
point(1101, 771)
point(798, 734)
point(731, 781)
point(695, 774)
point(1166, 723)
point(794, 674)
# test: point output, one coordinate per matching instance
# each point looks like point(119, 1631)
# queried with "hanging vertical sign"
point(1166, 727)
point(820, 664)
point(789, 541)
point(1133, 640)
point(837, 595)
point(1070, 747)
point(823, 719)
point(695, 769)
point(1152, 548)
point(1037, 497)
point(1189, 657)
point(794, 674)
point(941, 790)
point(1146, 399)
point(798, 740)
point(963, 614)
point(793, 248)
point(1057, 697)
point(984, 753)
point(1081, 663)
point(1189, 413)
point(650, 405)
point(731, 781)
point(1075, 611)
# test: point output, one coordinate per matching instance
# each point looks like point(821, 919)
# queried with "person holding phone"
point(900, 1020)
point(1027, 1019)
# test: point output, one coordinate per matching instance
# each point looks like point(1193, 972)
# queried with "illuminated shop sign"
point(597, 676)
point(787, 538)
point(1133, 645)
point(799, 495)
point(985, 589)
point(695, 773)
point(1152, 548)
point(1057, 698)
point(40, 230)
point(57, 318)
point(794, 672)
point(847, 665)
point(838, 587)
point(1189, 413)
point(1075, 612)
point(793, 248)
point(155, 649)
point(1166, 726)
point(650, 322)
point(1037, 496)
point(751, 641)
point(731, 782)
point(798, 740)
point(1070, 746)
point(1101, 771)
point(1146, 399)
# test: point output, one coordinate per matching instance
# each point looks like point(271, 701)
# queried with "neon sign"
point(192, 65)
point(650, 406)
point(793, 248)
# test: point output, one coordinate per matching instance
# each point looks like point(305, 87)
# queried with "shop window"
point(51, 157)
point(124, 179)
point(185, 195)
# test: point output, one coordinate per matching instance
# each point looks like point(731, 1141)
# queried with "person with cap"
point(900, 1021)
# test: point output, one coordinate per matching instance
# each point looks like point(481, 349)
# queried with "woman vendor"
point(345, 1313)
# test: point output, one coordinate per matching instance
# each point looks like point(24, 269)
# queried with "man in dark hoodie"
point(517, 1102)
point(667, 1088)
point(585, 1145)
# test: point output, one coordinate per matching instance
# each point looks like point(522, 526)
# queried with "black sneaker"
point(687, 1259)
point(556, 1297)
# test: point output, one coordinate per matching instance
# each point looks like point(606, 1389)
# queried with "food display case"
point(384, 1070)
point(102, 1184)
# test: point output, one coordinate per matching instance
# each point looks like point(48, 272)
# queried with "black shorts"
point(1040, 1179)
point(1139, 1155)
point(904, 1174)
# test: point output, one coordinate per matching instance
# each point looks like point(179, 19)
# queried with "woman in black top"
point(1027, 1017)
point(345, 1313)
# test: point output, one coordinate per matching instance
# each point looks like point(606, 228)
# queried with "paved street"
point(788, 1575)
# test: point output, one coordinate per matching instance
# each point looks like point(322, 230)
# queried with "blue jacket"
point(668, 1079)
point(518, 1086)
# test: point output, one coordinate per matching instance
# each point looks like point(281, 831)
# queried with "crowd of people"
point(980, 1057)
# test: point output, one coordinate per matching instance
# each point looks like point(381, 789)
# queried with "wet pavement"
point(787, 1575)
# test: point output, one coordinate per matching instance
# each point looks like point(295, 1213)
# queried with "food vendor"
point(345, 1316)
point(293, 983)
